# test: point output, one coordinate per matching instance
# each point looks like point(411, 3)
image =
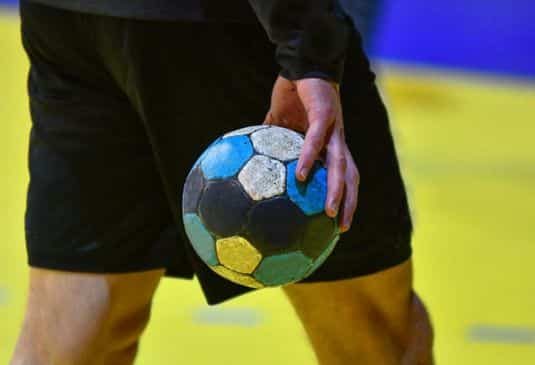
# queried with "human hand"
point(313, 106)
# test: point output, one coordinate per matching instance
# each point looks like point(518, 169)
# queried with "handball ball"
point(248, 217)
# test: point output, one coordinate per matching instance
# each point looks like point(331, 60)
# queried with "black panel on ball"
point(319, 232)
point(276, 225)
point(224, 207)
point(192, 190)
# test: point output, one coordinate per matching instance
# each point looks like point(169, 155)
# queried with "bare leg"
point(372, 320)
point(78, 319)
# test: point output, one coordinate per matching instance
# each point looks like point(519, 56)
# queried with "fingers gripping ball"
point(248, 217)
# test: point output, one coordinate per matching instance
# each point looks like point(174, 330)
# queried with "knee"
point(409, 333)
point(93, 330)
point(401, 328)
point(419, 349)
point(104, 338)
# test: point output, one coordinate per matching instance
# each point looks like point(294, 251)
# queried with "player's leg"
point(374, 319)
point(97, 220)
point(360, 307)
point(78, 318)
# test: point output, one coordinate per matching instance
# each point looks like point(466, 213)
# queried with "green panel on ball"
point(283, 269)
point(319, 231)
point(201, 240)
point(321, 258)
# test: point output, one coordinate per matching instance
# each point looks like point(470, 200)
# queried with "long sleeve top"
point(310, 35)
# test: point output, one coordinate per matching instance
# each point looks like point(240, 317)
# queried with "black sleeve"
point(311, 36)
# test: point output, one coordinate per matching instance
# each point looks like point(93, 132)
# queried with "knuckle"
point(316, 139)
point(354, 179)
point(335, 186)
point(329, 110)
point(338, 188)
point(352, 200)
point(307, 161)
point(338, 161)
point(315, 147)
point(353, 175)
point(321, 113)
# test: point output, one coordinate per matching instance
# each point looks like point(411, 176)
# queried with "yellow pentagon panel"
point(236, 277)
point(238, 254)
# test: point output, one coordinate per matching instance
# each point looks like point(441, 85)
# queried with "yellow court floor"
point(466, 145)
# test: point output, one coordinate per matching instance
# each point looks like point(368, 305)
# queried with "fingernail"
point(303, 173)
point(333, 207)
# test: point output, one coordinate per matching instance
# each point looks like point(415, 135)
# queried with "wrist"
point(316, 82)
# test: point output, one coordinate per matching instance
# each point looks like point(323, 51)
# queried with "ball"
point(248, 217)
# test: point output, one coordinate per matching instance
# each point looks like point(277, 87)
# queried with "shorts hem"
point(383, 260)
point(67, 265)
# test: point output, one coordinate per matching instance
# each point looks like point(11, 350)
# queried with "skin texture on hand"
point(312, 106)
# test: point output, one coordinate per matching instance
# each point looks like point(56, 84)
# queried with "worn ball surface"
point(247, 216)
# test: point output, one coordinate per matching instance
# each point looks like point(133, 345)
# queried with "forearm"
point(311, 36)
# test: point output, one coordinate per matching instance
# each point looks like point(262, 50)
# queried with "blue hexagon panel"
point(201, 240)
point(203, 155)
point(309, 196)
point(226, 157)
point(283, 269)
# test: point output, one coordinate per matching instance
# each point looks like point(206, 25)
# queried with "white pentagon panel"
point(263, 177)
point(280, 143)
point(245, 130)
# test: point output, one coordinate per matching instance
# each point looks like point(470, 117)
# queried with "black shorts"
point(122, 108)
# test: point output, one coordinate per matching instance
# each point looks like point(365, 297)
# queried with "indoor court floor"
point(467, 148)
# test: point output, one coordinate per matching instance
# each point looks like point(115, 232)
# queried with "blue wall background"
point(495, 36)
point(488, 35)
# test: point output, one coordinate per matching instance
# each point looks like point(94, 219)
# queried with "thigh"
point(366, 318)
point(85, 318)
point(385, 295)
